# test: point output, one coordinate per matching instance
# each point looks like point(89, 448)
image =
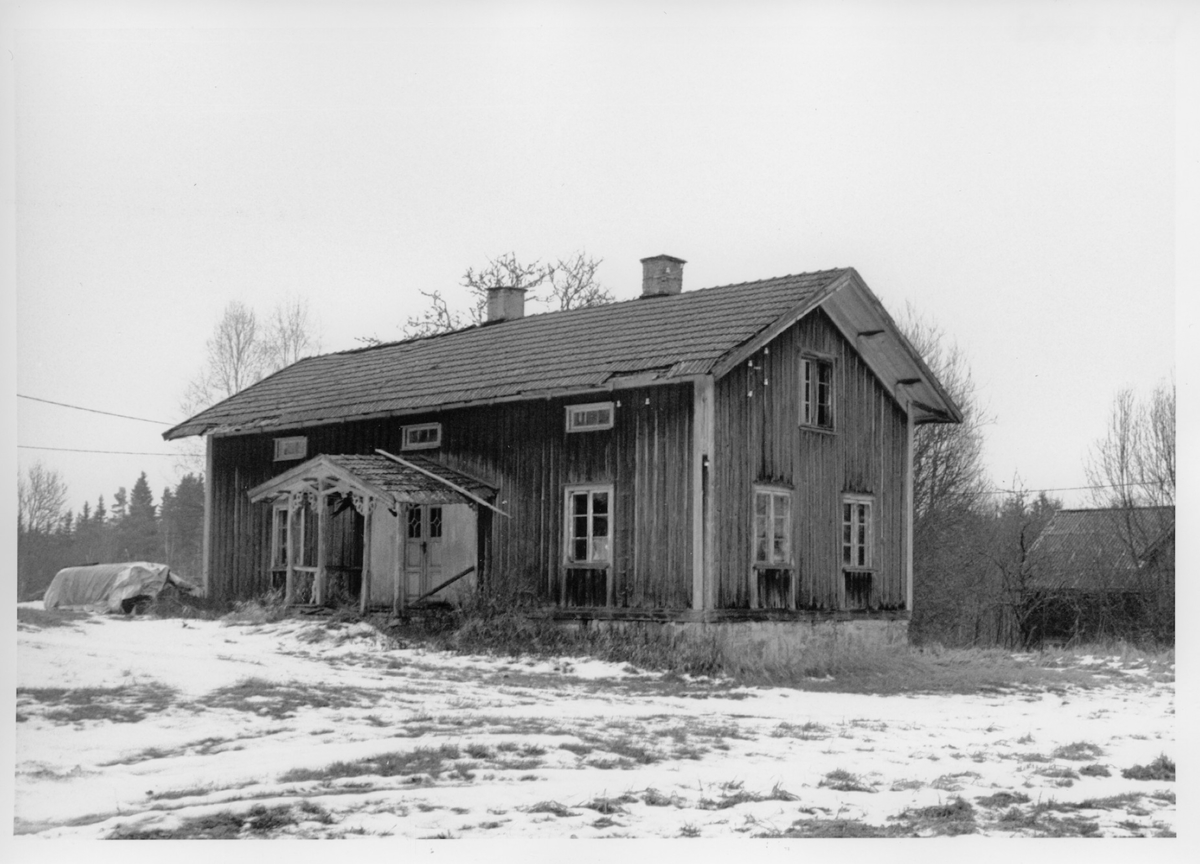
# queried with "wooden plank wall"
point(759, 439)
point(522, 448)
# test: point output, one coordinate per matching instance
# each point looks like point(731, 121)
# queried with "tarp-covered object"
point(114, 587)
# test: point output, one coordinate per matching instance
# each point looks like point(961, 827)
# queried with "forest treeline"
point(133, 528)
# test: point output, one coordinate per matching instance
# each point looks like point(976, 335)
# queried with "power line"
point(1062, 488)
point(93, 411)
point(74, 450)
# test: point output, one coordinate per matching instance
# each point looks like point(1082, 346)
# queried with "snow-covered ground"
point(145, 727)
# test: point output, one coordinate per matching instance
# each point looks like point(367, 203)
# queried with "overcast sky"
point(1010, 171)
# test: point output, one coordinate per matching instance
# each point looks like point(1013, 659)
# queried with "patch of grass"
point(809, 731)
point(1080, 751)
point(955, 817)
point(479, 751)
point(841, 780)
point(1167, 796)
point(423, 760)
point(127, 704)
point(1033, 757)
point(264, 609)
point(553, 808)
point(1002, 799)
point(1162, 768)
point(281, 700)
point(227, 825)
point(953, 782)
point(834, 829)
point(653, 798)
point(610, 806)
point(1095, 770)
point(689, 830)
point(905, 785)
point(626, 748)
point(578, 749)
point(37, 619)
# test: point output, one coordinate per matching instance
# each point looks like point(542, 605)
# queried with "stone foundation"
point(773, 643)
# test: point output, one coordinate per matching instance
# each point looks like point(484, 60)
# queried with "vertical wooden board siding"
point(523, 449)
point(760, 440)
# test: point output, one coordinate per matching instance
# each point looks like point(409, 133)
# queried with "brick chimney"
point(505, 304)
point(661, 275)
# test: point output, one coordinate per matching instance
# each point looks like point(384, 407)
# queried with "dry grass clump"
point(127, 704)
point(264, 609)
point(1162, 768)
point(422, 761)
point(1080, 751)
point(258, 821)
point(29, 618)
point(841, 780)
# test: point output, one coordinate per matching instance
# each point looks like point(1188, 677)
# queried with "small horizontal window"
point(588, 418)
point(425, 436)
point(291, 448)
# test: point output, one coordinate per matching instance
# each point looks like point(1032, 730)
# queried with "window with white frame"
point(291, 448)
point(772, 526)
point(857, 532)
point(588, 527)
point(424, 436)
point(816, 392)
point(590, 417)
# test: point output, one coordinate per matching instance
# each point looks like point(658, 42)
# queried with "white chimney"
point(662, 274)
point(505, 303)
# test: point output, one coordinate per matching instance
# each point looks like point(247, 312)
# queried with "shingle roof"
point(1097, 549)
point(665, 337)
point(390, 476)
point(381, 474)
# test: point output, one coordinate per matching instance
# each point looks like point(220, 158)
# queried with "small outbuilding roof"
point(648, 340)
point(1098, 549)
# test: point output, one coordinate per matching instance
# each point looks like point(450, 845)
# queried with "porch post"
point(398, 559)
point(703, 459)
point(365, 588)
point(908, 511)
point(289, 591)
point(322, 526)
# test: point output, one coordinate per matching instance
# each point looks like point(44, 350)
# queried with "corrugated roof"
point(1097, 549)
point(667, 336)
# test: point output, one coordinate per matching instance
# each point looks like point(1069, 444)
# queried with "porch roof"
point(422, 481)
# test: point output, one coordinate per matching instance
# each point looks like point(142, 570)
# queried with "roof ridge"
point(486, 324)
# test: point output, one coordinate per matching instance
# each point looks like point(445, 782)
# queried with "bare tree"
point(573, 283)
point(504, 271)
point(289, 335)
point(1133, 465)
point(436, 317)
point(948, 471)
point(240, 352)
point(41, 495)
point(953, 598)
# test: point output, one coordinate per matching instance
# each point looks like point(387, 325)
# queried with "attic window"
point(590, 417)
point(425, 436)
point(816, 392)
point(291, 448)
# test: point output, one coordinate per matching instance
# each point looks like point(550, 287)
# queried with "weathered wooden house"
point(1103, 573)
point(733, 453)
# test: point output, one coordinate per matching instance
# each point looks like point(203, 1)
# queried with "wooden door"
point(423, 549)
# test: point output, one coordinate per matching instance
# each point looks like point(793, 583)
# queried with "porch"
point(391, 530)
